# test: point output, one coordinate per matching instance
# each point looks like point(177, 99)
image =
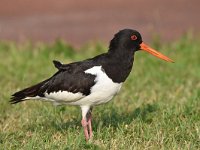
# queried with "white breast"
point(103, 90)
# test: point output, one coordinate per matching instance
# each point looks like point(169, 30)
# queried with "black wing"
point(71, 82)
point(70, 77)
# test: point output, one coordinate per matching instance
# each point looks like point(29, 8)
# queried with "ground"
point(83, 21)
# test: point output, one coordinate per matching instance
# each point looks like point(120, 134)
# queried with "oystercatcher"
point(92, 81)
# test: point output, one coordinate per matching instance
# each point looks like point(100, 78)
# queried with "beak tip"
point(154, 52)
point(172, 61)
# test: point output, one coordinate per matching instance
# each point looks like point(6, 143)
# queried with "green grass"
point(157, 108)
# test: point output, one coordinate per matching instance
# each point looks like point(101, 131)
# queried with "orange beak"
point(154, 52)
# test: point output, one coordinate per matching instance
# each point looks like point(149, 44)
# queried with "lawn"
point(158, 106)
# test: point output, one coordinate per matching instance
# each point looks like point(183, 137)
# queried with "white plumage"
point(103, 90)
point(64, 96)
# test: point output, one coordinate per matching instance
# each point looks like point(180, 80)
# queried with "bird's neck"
point(119, 64)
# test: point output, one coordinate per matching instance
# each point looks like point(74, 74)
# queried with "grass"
point(157, 108)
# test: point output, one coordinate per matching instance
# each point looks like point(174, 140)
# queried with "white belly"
point(102, 91)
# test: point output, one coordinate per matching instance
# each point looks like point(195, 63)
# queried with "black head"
point(126, 39)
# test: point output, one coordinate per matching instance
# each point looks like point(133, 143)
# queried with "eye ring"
point(133, 37)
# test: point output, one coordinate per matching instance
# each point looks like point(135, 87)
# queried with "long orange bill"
point(154, 52)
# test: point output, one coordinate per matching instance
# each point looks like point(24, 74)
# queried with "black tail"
point(35, 90)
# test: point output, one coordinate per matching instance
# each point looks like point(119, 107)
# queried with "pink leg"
point(90, 124)
point(86, 121)
point(85, 127)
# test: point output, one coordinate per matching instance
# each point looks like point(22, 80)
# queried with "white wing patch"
point(64, 96)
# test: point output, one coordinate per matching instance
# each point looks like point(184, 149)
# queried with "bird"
point(93, 81)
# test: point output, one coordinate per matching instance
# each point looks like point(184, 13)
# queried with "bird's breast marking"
point(104, 88)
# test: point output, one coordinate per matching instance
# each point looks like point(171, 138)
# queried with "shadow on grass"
point(115, 118)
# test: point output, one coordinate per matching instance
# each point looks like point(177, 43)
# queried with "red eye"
point(133, 37)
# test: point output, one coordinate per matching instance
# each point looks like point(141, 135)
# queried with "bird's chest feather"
point(104, 88)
